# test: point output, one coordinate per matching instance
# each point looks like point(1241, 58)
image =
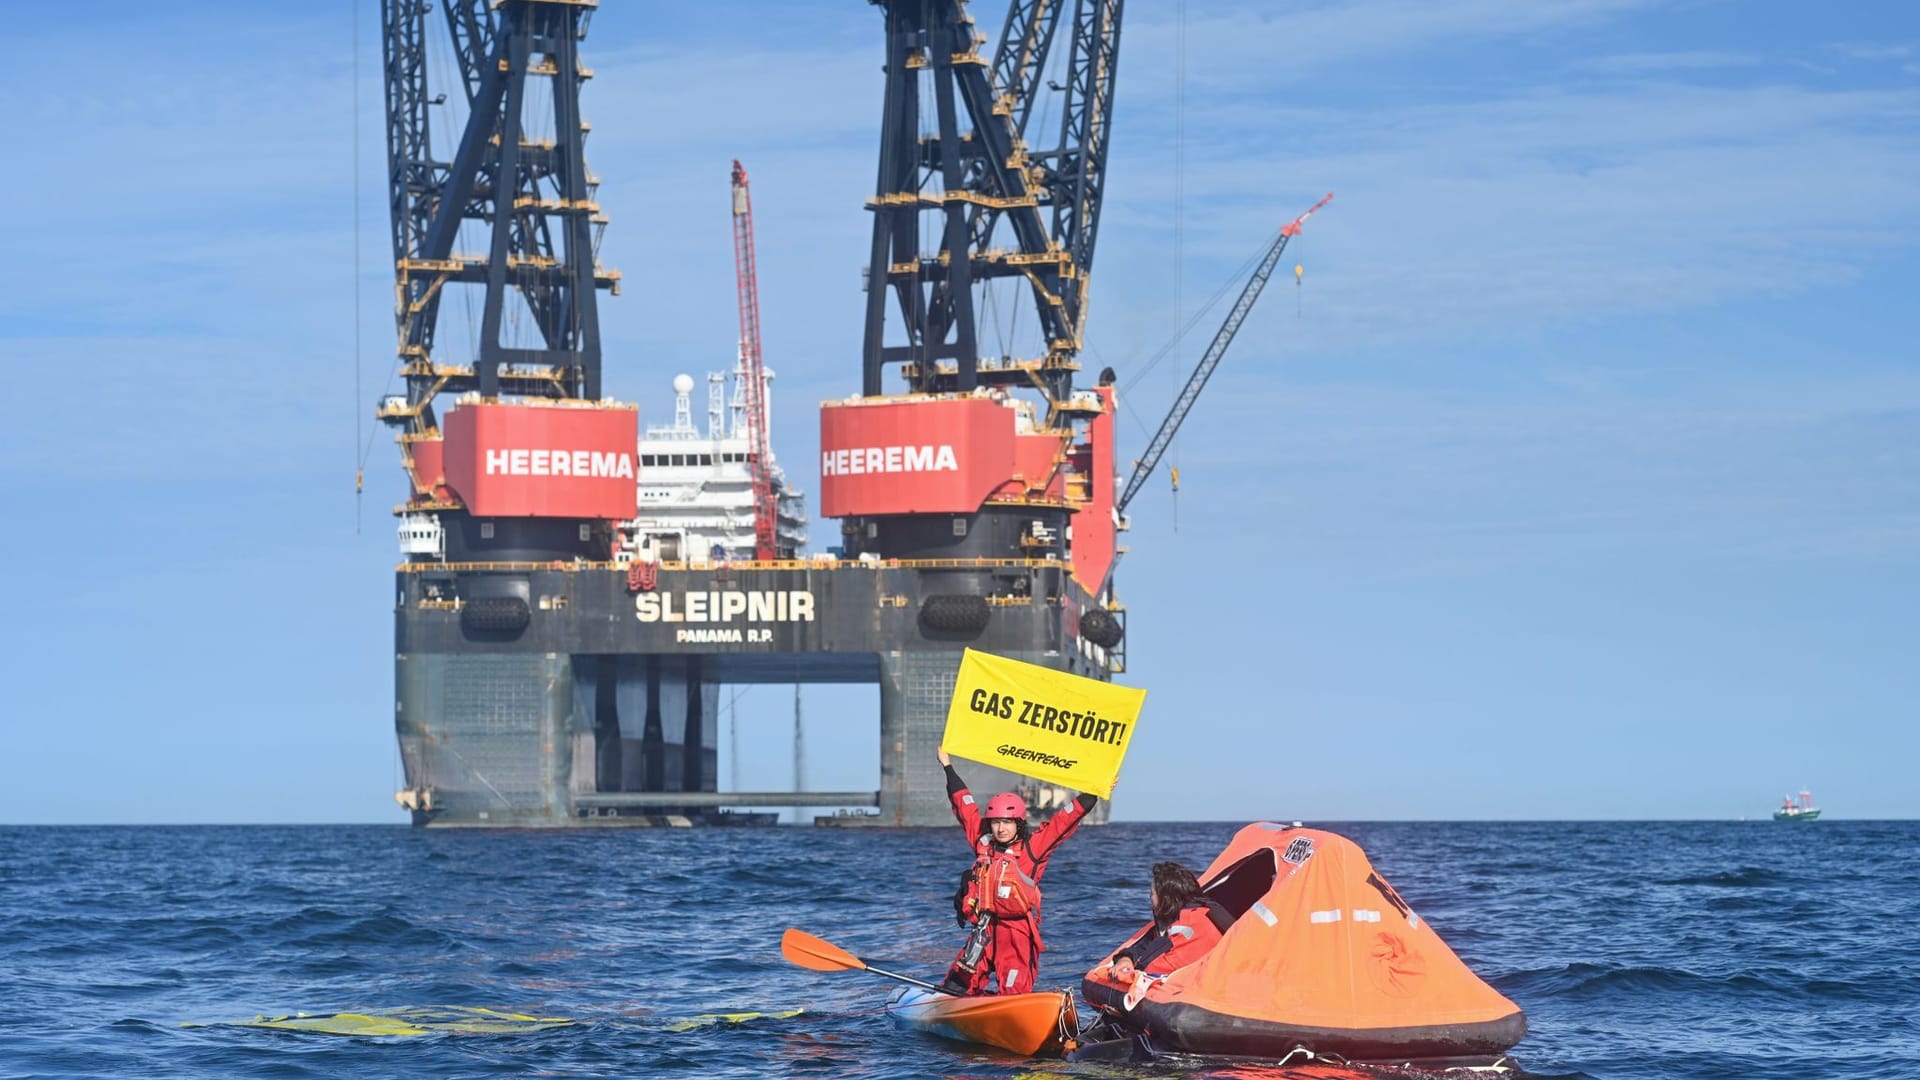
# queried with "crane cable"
point(360, 467)
point(1237, 277)
point(359, 404)
point(1179, 218)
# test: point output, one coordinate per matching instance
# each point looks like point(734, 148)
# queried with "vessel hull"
point(559, 694)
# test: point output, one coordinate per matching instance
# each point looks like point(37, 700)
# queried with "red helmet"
point(1007, 805)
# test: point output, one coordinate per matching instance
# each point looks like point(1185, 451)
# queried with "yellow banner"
point(1035, 721)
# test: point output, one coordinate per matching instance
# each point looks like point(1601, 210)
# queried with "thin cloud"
point(1855, 51)
point(1651, 63)
point(1790, 468)
point(1549, 205)
point(1293, 41)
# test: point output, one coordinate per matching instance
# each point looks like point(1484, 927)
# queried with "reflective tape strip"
point(1266, 914)
point(1271, 827)
point(1178, 930)
point(968, 799)
point(1324, 916)
point(1413, 920)
point(1365, 915)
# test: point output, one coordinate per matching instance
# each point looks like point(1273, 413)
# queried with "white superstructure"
point(421, 534)
point(696, 490)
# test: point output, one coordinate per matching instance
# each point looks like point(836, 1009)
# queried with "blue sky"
point(1579, 479)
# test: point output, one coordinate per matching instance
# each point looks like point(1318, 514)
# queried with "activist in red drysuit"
point(1003, 887)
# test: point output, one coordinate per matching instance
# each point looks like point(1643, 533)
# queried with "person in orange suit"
point(1186, 925)
point(999, 897)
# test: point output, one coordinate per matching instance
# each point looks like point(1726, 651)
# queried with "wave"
point(1581, 981)
point(1747, 877)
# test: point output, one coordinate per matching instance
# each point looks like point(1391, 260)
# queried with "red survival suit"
point(1189, 937)
point(1005, 886)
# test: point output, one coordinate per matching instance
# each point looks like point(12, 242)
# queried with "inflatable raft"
point(1027, 1024)
point(1324, 957)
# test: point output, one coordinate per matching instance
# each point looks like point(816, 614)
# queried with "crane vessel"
point(575, 590)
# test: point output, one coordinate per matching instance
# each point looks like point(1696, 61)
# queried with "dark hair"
point(1174, 890)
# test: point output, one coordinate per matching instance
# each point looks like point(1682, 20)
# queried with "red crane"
point(766, 509)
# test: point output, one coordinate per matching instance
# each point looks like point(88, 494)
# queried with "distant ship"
point(1797, 809)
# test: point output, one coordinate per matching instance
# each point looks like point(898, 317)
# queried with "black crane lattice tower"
point(977, 170)
point(533, 199)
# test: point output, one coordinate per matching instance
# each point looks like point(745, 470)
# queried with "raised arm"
point(1061, 825)
point(965, 810)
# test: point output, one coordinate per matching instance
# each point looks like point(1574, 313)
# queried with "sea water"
point(1637, 949)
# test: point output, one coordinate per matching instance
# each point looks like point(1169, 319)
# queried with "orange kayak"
point(1027, 1024)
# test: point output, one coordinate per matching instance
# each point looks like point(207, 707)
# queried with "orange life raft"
point(1324, 955)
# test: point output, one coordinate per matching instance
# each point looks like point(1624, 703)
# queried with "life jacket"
point(1191, 935)
point(1188, 938)
point(1003, 887)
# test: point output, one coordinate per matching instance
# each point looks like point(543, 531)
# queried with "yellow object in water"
point(415, 1020)
point(711, 1019)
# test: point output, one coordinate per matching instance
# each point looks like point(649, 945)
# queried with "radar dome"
point(683, 384)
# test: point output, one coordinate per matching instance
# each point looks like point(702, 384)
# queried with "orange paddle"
point(804, 950)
